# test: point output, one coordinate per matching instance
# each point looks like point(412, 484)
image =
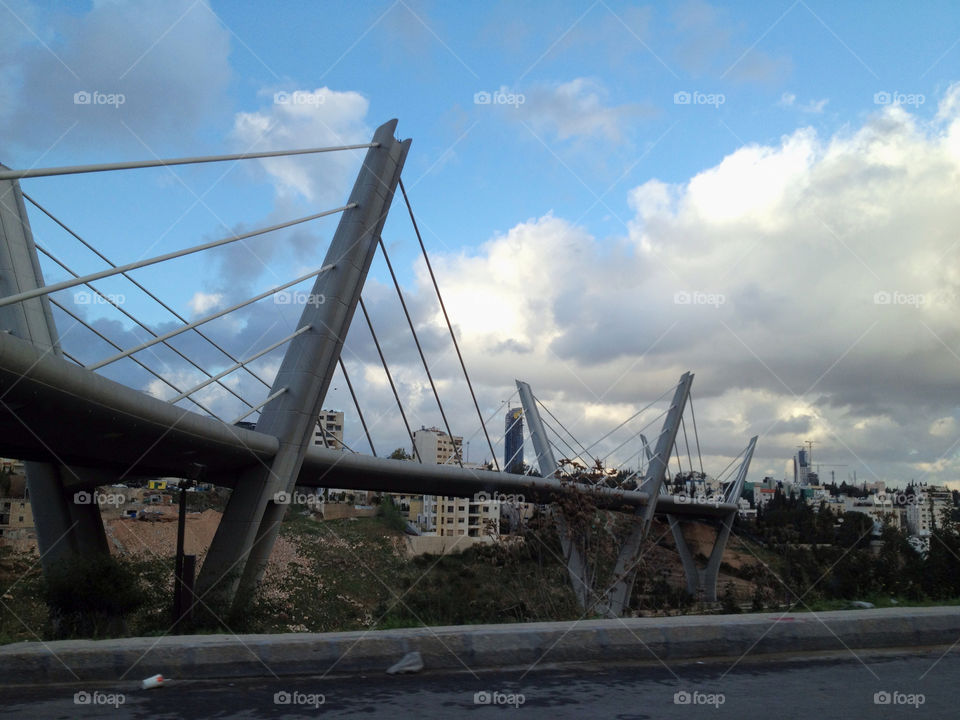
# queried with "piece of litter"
point(152, 682)
point(411, 663)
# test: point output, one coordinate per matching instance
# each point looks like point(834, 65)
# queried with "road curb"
point(478, 647)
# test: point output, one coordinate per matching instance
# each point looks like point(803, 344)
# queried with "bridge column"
point(63, 527)
point(702, 580)
point(576, 566)
point(705, 580)
point(626, 568)
point(251, 521)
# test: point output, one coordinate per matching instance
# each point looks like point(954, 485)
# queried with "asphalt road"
point(911, 684)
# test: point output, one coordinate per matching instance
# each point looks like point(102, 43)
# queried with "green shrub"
point(91, 596)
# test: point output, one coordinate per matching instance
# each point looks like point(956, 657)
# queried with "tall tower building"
point(513, 441)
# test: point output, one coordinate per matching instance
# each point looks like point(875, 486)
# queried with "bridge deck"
point(51, 409)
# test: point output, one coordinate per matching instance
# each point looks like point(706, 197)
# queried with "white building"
point(467, 516)
point(435, 447)
point(329, 430)
point(877, 507)
point(451, 516)
point(926, 509)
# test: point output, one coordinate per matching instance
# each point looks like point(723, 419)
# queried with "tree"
point(400, 454)
point(728, 600)
point(855, 530)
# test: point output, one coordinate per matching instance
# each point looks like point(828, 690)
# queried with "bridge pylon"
point(251, 521)
point(702, 582)
point(65, 525)
point(618, 596)
point(576, 565)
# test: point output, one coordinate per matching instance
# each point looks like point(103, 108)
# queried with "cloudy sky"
point(764, 194)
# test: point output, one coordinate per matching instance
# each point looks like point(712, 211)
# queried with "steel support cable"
point(519, 450)
point(683, 425)
point(207, 318)
point(393, 387)
point(136, 164)
point(443, 308)
point(648, 406)
point(255, 408)
point(343, 369)
point(631, 438)
point(510, 461)
point(423, 358)
point(136, 360)
point(327, 433)
point(729, 465)
point(120, 269)
point(115, 304)
point(68, 356)
point(640, 432)
point(239, 364)
point(512, 425)
point(574, 437)
point(493, 415)
point(637, 471)
point(696, 435)
point(566, 444)
point(149, 294)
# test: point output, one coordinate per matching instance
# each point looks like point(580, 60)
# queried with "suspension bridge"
point(76, 428)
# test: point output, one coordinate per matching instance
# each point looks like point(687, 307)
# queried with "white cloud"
point(820, 249)
point(304, 119)
point(944, 427)
point(202, 302)
point(814, 107)
point(578, 109)
point(168, 61)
